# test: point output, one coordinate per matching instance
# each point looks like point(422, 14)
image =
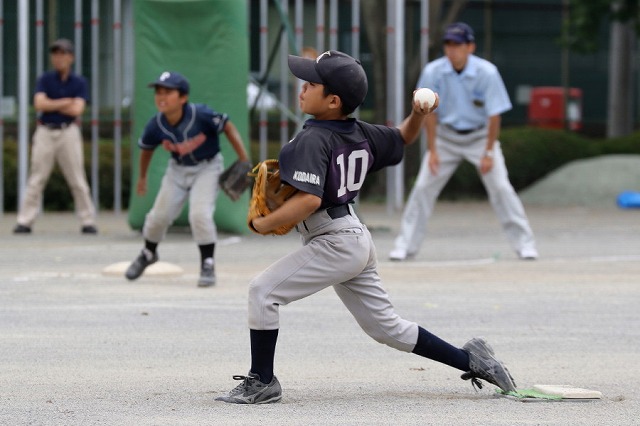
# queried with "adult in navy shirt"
point(60, 98)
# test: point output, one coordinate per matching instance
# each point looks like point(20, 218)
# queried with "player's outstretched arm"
point(296, 209)
point(412, 125)
point(231, 131)
point(145, 159)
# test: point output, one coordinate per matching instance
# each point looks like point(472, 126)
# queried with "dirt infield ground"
point(82, 348)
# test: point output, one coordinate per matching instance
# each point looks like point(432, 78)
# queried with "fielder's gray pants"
point(339, 253)
point(452, 150)
point(198, 184)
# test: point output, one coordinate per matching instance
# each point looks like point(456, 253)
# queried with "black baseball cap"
point(63, 45)
point(342, 74)
point(171, 80)
point(459, 32)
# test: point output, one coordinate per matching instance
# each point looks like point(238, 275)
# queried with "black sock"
point(263, 349)
point(152, 247)
point(432, 347)
point(206, 251)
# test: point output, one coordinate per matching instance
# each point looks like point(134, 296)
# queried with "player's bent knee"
point(157, 221)
point(390, 341)
point(263, 312)
point(258, 293)
point(254, 290)
point(200, 218)
point(397, 333)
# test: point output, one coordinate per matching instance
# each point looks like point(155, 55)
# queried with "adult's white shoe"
point(528, 253)
point(398, 255)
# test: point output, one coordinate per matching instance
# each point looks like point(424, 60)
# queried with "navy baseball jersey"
point(200, 126)
point(331, 159)
point(50, 83)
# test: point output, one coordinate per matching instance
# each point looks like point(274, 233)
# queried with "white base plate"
point(157, 269)
point(568, 392)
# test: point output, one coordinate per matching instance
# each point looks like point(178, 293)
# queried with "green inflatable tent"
point(207, 42)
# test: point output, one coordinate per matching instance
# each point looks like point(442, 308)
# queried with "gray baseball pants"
point(452, 150)
point(338, 253)
point(199, 185)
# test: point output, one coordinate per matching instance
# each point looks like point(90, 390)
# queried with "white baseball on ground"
point(425, 96)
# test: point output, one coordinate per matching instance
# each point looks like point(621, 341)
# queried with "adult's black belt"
point(338, 211)
point(56, 126)
point(463, 131)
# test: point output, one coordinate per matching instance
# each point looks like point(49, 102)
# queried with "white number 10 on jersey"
point(348, 179)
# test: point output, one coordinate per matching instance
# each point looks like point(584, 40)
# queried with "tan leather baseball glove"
point(269, 193)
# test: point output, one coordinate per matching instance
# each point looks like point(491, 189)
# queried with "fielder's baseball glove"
point(234, 181)
point(269, 193)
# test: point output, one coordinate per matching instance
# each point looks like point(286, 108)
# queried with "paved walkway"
point(78, 347)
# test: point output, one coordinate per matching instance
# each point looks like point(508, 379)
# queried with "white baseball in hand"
point(425, 97)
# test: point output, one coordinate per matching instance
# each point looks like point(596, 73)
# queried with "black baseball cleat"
point(137, 267)
point(207, 274)
point(484, 365)
point(253, 391)
point(89, 230)
point(22, 229)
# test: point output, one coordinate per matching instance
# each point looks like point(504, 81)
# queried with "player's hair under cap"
point(61, 45)
point(171, 80)
point(342, 74)
point(459, 32)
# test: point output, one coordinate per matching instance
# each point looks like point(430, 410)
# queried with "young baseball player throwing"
point(190, 132)
point(327, 163)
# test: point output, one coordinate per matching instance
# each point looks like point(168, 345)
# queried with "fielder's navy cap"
point(342, 74)
point(171, 80)
point(62, 45)
point(459, 32)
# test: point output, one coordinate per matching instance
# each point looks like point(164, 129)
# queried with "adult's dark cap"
point(459, 32)
point(342, 74)
point(61, 45)
point(171, 80)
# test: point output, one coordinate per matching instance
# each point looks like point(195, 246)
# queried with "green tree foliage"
point(586, 16)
